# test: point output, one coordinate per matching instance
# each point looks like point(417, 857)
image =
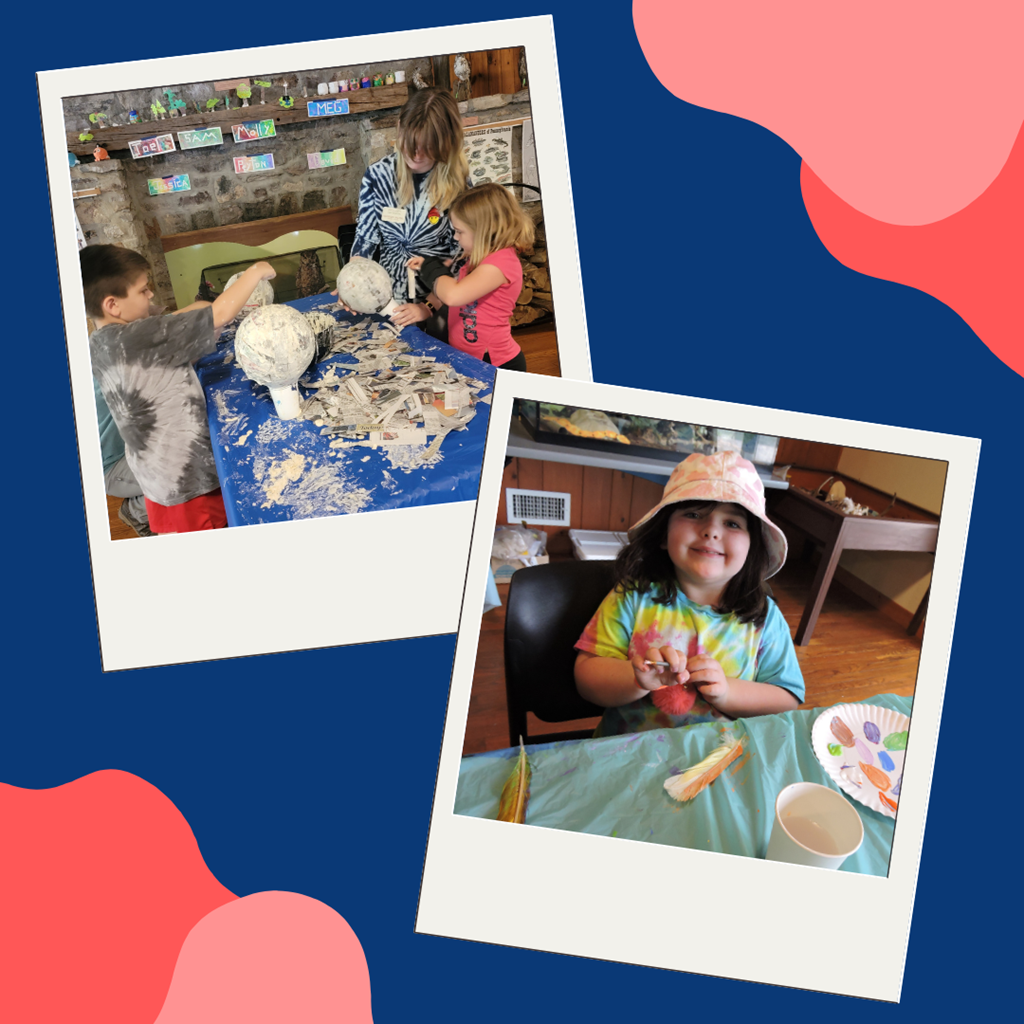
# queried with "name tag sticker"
point(394, 214)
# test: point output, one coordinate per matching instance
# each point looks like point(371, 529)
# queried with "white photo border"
point(148, 611)
point(748, 919)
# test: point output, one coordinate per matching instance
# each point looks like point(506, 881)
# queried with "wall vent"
point(541, 508)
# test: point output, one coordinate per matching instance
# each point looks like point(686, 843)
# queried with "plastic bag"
point(517, 543)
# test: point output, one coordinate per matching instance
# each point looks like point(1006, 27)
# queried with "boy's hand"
point(267, 272)
point(709, 678)
point(653, 677)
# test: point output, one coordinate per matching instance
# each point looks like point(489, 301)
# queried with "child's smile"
point(708, 546)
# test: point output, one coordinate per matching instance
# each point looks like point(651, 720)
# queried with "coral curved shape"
point(905, 109)
point(972, 261)
point(101, 881)
point(267, 958)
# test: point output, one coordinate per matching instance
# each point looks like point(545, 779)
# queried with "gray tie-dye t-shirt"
point(144, 370)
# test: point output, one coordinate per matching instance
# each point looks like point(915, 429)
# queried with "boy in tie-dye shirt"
point(691, 595)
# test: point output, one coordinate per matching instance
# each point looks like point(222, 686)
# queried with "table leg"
point(922, 608)
point(819, 588)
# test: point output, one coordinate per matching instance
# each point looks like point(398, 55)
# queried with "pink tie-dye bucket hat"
point(727, 477)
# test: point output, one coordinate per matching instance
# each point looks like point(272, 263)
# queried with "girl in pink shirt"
point(492, 230)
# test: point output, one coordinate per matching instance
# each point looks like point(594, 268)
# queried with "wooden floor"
point(540, 346)
point(855, 653)
point(118, 530)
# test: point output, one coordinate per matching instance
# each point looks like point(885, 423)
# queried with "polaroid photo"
point(620, 841)
point(200, 163)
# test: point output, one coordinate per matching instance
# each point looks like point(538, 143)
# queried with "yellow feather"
point(516, 792)
point(687, 785)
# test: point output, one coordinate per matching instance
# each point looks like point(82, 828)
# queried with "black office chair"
point(546, 610)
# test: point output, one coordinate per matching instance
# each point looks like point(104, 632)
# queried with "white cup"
point(814, 825)
point(321, 89)
point(399, 77)
point(333, 86)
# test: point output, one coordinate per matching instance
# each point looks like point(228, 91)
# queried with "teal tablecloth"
point(615, 786)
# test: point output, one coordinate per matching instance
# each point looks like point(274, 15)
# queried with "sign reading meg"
point(325, 108)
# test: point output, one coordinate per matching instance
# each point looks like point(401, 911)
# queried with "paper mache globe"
point(364, 286)
point(262, 295)
point(273, 346)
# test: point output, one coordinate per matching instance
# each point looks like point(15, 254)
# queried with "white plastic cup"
point(333, 86)
point(286, 402)
point(321, 89)
point(399, 77)
point(814, 826)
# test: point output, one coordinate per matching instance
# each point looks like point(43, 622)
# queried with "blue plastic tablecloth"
point(273, 470)
point(614, 786)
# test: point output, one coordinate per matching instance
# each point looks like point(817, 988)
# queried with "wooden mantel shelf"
point(360, 101)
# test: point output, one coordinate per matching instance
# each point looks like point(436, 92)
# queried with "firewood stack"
point(535, 299)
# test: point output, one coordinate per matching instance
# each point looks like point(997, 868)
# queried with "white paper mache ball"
point(364, 286)
point(274, 345)
point(262, 295)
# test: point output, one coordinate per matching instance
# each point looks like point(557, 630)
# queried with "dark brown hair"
point(644, 565)
point(108, 270)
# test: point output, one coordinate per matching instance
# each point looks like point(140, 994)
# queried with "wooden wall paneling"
point(620, 501)
point(596, 499)
point(510, 478)
point(490, 72)
point(531, 475)
point(646, 494)
point(811, 454)
point(506, 69)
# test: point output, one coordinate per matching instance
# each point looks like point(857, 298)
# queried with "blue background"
point(744, 305)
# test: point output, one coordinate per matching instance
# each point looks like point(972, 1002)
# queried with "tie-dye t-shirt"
point(631, 623)
point(144, 370)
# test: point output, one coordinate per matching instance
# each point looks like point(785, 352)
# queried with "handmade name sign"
point(252, 130)
point(152, 146)
point(327, 159)
point(263, 162)
point(200, 137)
point(173, 183)
point(325, 108)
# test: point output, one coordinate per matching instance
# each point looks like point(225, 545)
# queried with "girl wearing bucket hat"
point(690, 592)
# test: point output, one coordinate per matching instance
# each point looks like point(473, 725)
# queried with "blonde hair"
point(430, 123)
point(496, 220)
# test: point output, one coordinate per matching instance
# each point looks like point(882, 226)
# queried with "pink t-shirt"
point(483, 326)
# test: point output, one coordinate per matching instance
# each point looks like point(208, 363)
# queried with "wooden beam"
point(360, 101)
point(258, 232)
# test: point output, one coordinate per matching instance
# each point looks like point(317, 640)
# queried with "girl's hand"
point(414, 263)
point(709, 678)
point(653, 677)
point(410, 313)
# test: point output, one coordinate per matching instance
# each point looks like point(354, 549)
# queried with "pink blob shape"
point(906, 109)
point(268, 958)
point(101, 879)
point(972, 261)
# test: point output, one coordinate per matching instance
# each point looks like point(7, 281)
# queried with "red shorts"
point(203, 513)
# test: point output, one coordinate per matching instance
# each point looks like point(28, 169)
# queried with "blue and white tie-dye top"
point(426, 230)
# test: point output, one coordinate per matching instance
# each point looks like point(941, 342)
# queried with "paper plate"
point(861, 747)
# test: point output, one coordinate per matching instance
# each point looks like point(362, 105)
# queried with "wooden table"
point(903, 527)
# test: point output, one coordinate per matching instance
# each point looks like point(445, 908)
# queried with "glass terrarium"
point(621, 433)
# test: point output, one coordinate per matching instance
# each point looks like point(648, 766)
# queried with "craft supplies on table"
point(615, 786)
point(274, 470)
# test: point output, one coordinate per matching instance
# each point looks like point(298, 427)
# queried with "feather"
point(687, 785)
point(516, 792)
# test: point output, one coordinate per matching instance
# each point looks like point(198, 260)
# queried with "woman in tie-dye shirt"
point(690, 593)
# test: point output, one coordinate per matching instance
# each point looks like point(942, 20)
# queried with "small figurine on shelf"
point(462, 73)
point(378, 79)
point(159, 110)
point(244, 92)
point(97, 119)
point(177, 106)
point(287, 102)
point(99, 153)
point(85, 136)
point(211, 103)
point(264, 85)
point(133, 117)
point(72, 159)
